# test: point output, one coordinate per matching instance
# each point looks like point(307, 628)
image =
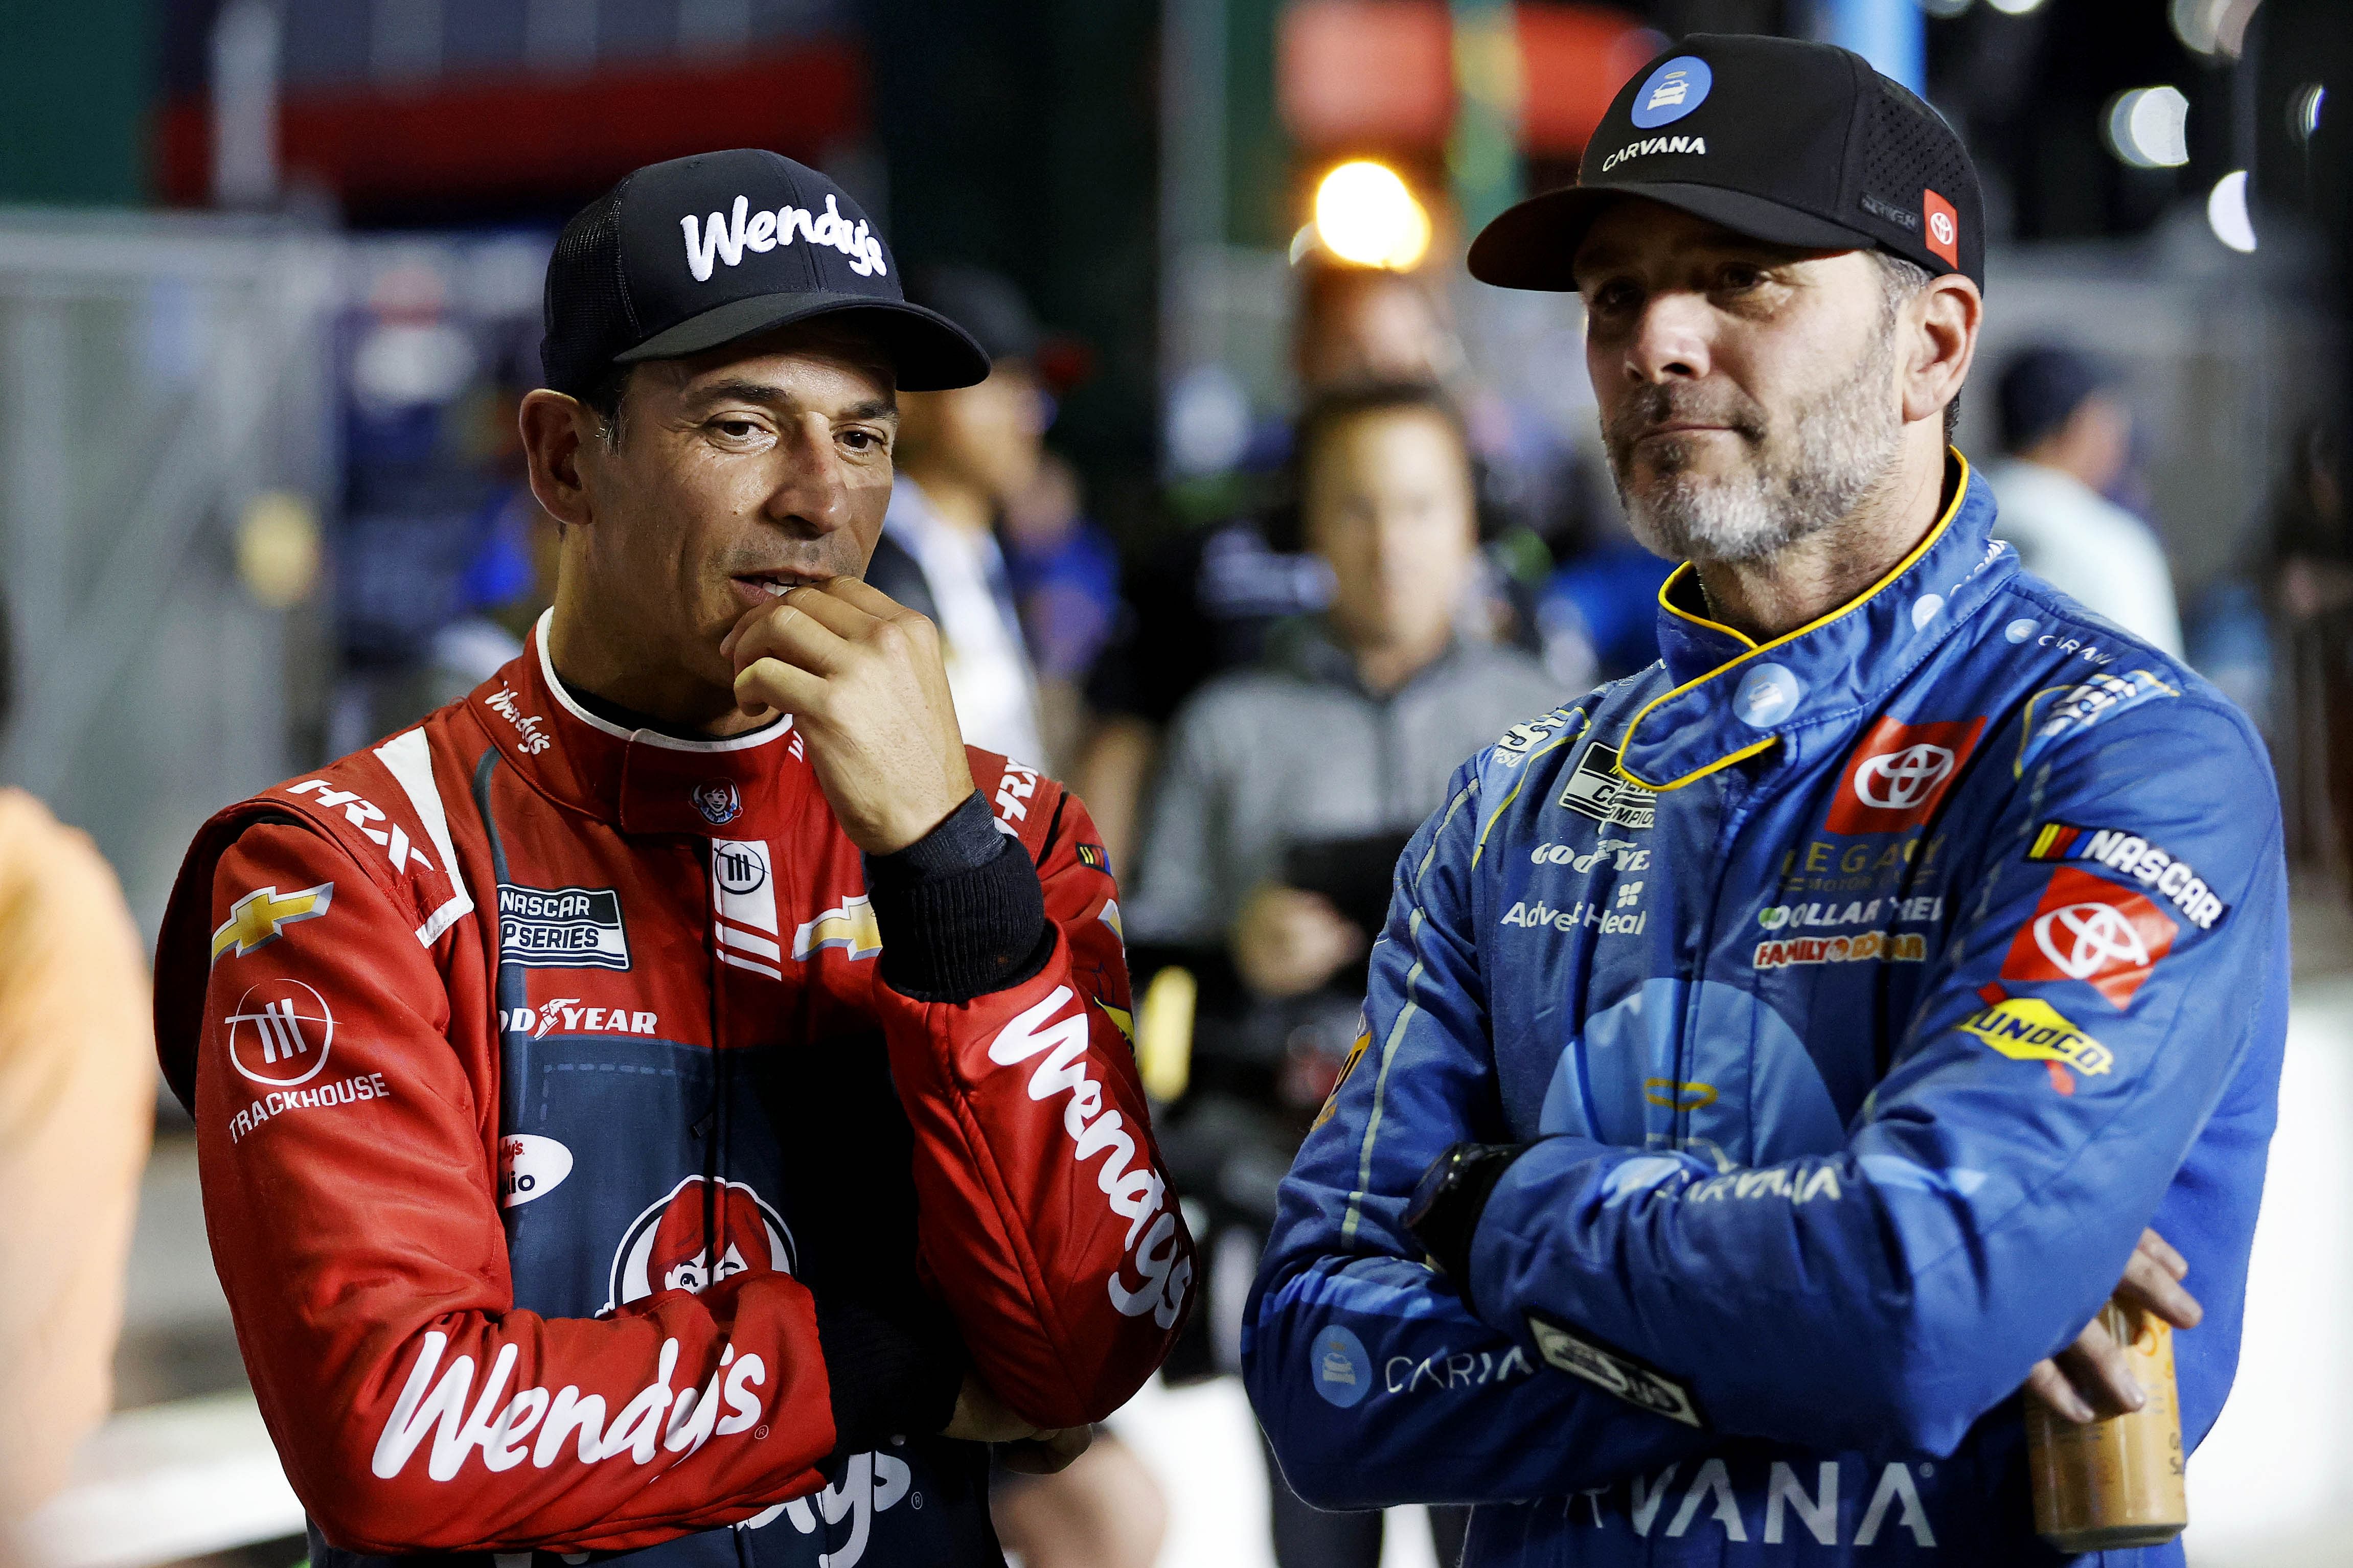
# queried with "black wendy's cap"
point(688, 255)
point(1792, 143)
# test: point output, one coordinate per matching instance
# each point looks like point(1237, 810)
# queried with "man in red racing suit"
point(622, 1134)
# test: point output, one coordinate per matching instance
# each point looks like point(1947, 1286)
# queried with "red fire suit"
point(566, 1149)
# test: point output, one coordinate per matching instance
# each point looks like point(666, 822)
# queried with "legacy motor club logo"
point(696, 1235)
point(2088, 929)
point(1896, 777)
point(279, 1033)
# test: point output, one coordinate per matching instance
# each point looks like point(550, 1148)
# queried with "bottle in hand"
point(2117, 1483)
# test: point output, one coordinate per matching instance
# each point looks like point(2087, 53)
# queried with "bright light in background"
point(2212, 26)
point(2304, 109)
point(2226, 212)
point(1364, 214)
point(2014, 7)
point(2149, 126)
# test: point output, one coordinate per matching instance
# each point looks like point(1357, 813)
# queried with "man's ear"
point(1941, 325)
point(554, 429)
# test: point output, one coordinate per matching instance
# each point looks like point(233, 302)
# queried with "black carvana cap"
point(1793, 142)
point(688, 255)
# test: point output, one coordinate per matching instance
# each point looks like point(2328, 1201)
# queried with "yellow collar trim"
point(1960, 493)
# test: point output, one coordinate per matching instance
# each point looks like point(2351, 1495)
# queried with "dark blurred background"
point(270, 285)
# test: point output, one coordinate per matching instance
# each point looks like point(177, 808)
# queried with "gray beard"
point(1832, 453)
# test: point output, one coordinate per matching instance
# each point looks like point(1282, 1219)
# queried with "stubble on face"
point(1798, 472)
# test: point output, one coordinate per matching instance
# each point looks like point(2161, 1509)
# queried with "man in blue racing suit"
point(1775, 1060)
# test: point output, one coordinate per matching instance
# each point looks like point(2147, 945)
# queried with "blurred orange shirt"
point(77, 1112)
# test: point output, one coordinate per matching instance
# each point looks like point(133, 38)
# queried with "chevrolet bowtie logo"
point(256, 920)
point(851, 926)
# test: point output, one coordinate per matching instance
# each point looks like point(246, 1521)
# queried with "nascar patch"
point(2028, 1029)
point(2132, 855)
point(562, 928)
point(1614, 1370)
point(1595, 789)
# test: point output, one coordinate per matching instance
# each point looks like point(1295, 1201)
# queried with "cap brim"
point(1532, 246)
point(930, 353)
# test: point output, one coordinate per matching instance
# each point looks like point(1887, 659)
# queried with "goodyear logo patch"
point(2028, 1029)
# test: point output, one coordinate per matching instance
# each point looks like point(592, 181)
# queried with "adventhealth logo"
point(726, 236)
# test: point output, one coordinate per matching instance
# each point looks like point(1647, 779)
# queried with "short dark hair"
point(1331, 410)
point(602, 396)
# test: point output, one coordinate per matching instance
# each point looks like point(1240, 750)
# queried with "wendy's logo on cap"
point(1673, 91)
point(723, 237)
point(718, 801)
point(1943, 226)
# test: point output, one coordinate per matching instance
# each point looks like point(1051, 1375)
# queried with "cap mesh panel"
point(586, 315)
point(1911, 145)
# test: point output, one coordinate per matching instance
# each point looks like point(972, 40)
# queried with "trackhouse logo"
point(280, 1033)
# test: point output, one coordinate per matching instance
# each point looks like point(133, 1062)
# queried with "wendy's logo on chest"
point(696, 1235)
point(717, 801)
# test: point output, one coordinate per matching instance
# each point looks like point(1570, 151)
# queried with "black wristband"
point(961, 910)
point(1444, 1212)
point(885, 1380)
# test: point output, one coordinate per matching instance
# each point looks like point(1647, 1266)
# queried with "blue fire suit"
point(1862, 994)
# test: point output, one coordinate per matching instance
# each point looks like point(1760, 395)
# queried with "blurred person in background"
point(1288, 787)
point(1204, 601)
point(622, 1070)
point(2310, 582)
point(77, 1112)
point(1065, 573)
point(963, 455)
point(2069, 439)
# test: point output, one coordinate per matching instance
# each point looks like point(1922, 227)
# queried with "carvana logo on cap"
point(1674, 90)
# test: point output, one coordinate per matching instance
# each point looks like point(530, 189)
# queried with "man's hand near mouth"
point(860, 674)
